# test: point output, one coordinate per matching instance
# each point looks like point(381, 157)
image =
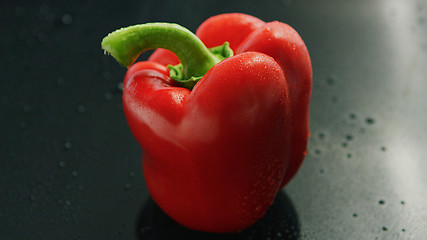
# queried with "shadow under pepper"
point(280, 222)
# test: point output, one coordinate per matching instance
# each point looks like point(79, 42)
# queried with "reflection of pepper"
point(221, 134)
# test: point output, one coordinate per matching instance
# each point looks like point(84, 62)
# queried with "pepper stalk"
point(126, 44)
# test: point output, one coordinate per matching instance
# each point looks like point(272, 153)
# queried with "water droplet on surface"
point(61, 164)
point(27, 108)
point(355, 215)
point(145, 230)
point(349, 137)
point(32, 198)
point(321, 136)
point(334, 99)
point(108, 96)
point(402, 202)
point(81, 108)
point(385, 229)
point(127, 186)
point(383, 149)
point(74, 173)
point(353, 116)
point(108, 75)
point(68, 145)
point(60, 81)
point(344, 144)
point(370, 121)
point(349, 155)
point(381, 202)
point(80, 187)
point(317, 151)
point(330, 80)
point(120, 86)
point(67, 19)
point(403, 230)
point(132, 174)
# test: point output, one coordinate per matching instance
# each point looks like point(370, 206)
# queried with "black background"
point(70, 169)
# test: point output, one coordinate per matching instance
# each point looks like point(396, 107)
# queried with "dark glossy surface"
point(70, 168)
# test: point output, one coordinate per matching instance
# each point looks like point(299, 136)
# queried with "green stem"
point(126, 44)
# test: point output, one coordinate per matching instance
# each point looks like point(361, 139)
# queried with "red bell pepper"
point(221, 134)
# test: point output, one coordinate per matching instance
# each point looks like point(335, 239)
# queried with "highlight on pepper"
point(222, 115)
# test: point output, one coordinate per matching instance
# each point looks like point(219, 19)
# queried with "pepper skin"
point(216, 155)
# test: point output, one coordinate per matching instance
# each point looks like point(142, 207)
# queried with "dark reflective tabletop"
point(70, 168)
